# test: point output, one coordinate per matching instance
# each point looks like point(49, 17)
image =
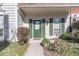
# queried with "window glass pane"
point(37, 22)
point(56, 21)
point(43, 28)
point(1, 21)
point(51, 26)
point(1, 32)
point(62, 20)
point(43, 20)
point(1, 27)
point(30, 20)
point(62, 25)
point(51, 20)
point(56, 31)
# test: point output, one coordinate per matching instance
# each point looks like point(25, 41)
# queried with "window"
point(62, 28)
point(51, 26)
point(37, 25)
point(1, 21)
point(30, 27)
point(1, 26)
point(62, 20)
point(43, 27)
point(1, 32)
point(56, 31)
point(43, 20)
point(56, 21)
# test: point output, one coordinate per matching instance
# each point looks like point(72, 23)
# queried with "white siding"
point(20, 19)
point(11, 11)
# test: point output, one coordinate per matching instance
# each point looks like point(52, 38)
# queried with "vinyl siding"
point(11, 11)
point(20, 19)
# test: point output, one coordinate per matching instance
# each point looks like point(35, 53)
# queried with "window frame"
point(2, 27)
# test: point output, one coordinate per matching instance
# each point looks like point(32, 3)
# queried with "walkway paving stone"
point(34, 49)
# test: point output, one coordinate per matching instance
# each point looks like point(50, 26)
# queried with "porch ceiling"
point(46, 8)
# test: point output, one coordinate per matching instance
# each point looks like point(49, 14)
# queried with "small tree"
point(22, 34)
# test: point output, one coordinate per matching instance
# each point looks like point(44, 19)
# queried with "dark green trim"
point(62, 28)
point(37, 32)
point(30, 27)
point(43, 28)
point(51, 26)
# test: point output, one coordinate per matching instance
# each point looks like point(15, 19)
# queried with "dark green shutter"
point(43, 28)
point(30, 27)
point(51, 26)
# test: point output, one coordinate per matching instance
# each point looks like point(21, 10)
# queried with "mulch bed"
point(49, 53)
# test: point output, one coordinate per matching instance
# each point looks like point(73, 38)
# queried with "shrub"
point(45, 42)
point(70, 36)
point(65, 36)
point(76, 37)
point(53, 45)
point(76, 25)
point(22, 34)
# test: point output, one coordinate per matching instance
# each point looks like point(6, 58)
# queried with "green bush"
point(65, 36)
point(70, 36)
point(76, 37)
point(45, 42)
point(53, 45)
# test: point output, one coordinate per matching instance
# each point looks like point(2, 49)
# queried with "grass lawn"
point(14, 49)
point(68, 48)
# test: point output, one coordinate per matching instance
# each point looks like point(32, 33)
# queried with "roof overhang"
point(46, 8)
point(48, 4)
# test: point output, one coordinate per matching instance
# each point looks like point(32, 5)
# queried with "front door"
point(37, 28)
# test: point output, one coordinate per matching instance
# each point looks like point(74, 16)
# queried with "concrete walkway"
point(34, 49)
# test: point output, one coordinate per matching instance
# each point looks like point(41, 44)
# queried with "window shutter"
point(62, 20)
point(6, 27)
point(43, 20)
point(51, 26)
point(30, 20)
point(51, 20)
point(43, 28)
point(30, 27)
point(62, 25)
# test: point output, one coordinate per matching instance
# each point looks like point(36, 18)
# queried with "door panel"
point(30, 27)
point(37, 28)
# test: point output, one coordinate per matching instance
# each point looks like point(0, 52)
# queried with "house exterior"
point(44, 20)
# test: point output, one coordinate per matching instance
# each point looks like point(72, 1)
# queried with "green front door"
point(37, 28)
